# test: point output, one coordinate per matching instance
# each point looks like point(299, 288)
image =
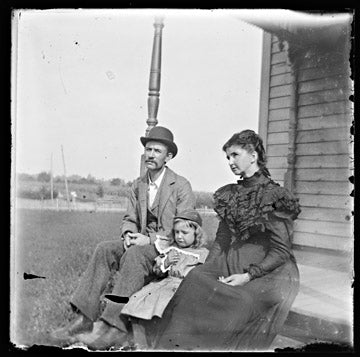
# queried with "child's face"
point(184, 234)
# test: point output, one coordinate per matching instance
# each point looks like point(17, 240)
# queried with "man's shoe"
point(81, 324)
point(103, 337)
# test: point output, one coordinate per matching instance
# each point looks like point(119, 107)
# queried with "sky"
point(80, 80)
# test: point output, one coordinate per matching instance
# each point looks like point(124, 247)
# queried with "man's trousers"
point(133, 270)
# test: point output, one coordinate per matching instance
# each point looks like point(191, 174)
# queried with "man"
point(155, 198)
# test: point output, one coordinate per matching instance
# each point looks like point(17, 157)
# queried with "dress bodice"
point(248, 204)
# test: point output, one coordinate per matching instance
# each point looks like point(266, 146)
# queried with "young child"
point(171, 266)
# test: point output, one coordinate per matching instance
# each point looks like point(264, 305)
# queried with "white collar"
point(157, 182)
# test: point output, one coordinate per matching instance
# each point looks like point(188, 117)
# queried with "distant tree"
point(90, 179)
point(44, 176)
point(59, 178)
point(74, 178)
point(100, 191)
point(43, 193)
point(117, 182)
point(25, 177)
point(204, 199)
point(124, 191)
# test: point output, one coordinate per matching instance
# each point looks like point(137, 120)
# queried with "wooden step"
point(309, 329)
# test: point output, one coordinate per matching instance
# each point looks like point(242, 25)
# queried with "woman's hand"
point(236, 279)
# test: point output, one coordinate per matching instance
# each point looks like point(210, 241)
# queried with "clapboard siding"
point(278, 138)
point(278, 126)
point(326, 201)
point(322, 149)
point(279, 47)
point(324, 121)
point(336, 81)
point(277, 162)
point(322, 161)
point(339, 107)
point(324, 96)
point(279, 58)
point(280, 68)
point(318, 72)
point(279, 114)
point(328, 188)
point(327, 148)
point(334, 60)
point(323, 135)
point(325, 214)
point(274, 39)
point(322, 241)
point(281, 102)
point(280, 91)
point(340, 229)
point(323, 174)
point(277, 150)
point(280, 79)
point(277, 174)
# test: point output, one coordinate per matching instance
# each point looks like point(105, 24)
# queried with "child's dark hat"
point(190, 215)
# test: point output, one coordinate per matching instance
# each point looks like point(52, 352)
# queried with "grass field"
point(56, 245)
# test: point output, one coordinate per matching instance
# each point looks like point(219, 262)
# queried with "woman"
point(240, 297)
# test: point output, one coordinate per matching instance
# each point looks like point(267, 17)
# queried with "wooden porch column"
point(154, 83)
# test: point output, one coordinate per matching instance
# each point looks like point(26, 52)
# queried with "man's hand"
point(163, 242)
point(235, 279)
point(138, 239)
point(126, 240)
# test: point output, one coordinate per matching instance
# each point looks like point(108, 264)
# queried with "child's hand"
point(172, 258)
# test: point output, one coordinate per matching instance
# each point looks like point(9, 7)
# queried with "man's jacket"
point(174, 195)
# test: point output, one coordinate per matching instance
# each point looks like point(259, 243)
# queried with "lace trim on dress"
point(248, 203)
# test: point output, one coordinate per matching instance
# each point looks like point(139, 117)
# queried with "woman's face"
point(240, 160)
point(184, 234)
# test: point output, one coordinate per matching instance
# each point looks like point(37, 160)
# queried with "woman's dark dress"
point(254, 235)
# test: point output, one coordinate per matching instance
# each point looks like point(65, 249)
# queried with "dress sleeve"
point(280, 229)
point(222, 240)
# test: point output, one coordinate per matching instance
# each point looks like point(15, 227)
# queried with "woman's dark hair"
point(250, 141)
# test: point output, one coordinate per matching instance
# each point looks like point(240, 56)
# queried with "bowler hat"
point(190, 215)
point(163, 135)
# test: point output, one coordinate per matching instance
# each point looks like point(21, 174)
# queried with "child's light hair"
point(200, 235)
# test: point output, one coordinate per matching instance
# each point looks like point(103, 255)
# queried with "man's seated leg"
point(105, 336)
point(81, 324)
point(135, 269)
point(86, 299)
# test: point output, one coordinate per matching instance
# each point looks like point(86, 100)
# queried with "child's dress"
point(153, 298)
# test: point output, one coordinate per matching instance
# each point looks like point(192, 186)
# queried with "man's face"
point(156, 155)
